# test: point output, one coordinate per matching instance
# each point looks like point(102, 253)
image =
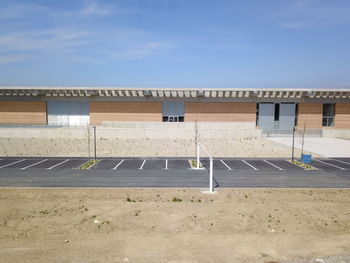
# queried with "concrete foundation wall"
point(22, 112)
point(125, 111)
point(336, 133)
point(152, 140)
point(220, 112)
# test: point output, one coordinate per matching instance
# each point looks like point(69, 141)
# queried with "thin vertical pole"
point(197, 156)
point(293, 144)
point(211, 176)
point(95, 142)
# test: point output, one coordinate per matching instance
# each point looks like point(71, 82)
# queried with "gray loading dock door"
point(75, 113)
point(276, 116)
point(266, 116)
point(287, 116)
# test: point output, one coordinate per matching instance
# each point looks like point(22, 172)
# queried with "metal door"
point(266, 116)
point(287, 116)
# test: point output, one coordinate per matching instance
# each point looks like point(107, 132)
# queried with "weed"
point(44, 212)
point(193, 164)
point(130, 200)
point(303, 165)
point(88, 164)
point(175, 199)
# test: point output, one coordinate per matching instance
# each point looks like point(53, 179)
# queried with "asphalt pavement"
point(171, 172)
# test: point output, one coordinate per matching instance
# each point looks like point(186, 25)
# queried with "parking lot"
point(140, 164)
point(171, 172)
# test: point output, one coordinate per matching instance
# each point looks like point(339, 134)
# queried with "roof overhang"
point(224, 93)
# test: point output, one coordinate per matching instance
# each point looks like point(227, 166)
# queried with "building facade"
point(268, 109)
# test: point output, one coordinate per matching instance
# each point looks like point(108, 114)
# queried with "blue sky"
point(175, 43)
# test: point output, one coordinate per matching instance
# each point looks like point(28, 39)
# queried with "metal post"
point(293, 144)
point(95, 141)
point(211, 176)
point(197, 156)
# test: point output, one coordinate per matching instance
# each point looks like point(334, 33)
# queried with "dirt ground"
point(174, 225)
point(233, 147)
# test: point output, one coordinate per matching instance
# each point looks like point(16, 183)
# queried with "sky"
point(175, 43)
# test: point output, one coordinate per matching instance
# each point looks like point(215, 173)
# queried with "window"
point(328, 115)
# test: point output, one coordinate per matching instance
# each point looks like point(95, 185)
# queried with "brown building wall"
point(225, 112)
point(310, 115)
point(124, 111)
point(23, 112)
point(342, 116)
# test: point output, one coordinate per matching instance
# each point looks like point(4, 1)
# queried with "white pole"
point(197, 156)
point(211, 176)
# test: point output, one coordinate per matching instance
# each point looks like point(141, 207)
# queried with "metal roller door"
point(266, 116)
point(74, 113)
point(173, 108)
point(287, 116)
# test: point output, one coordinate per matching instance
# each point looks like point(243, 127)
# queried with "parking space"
point(23, 163)
point(155, 165)
point(217, 164)
point(107, 164)
point(178, 164)
point(340, 162)
point(7, 162)
point(328, 165)
point(238, 164)
point(71, 164)
point(284, 164)
point(130, 164)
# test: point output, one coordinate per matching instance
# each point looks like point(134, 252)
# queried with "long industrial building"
point(269, 109)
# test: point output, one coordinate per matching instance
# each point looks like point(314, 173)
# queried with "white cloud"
point(94, 8)
point(122, 44)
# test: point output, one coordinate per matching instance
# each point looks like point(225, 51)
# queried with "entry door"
point(287, 116)
point(266, 116)
point(173, 119)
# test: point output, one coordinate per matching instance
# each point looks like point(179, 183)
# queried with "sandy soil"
point(233, 147)
point(234, 225)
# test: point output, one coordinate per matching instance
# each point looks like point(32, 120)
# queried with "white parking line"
point(12, 163)
point(115, 168)
point(142, 164)
point(341, 161)
point(341, 168)
point(34, 164)
point(166, 164)
point(228, 167)
point(57, 164)
point(279, 168)
point(250, 165)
